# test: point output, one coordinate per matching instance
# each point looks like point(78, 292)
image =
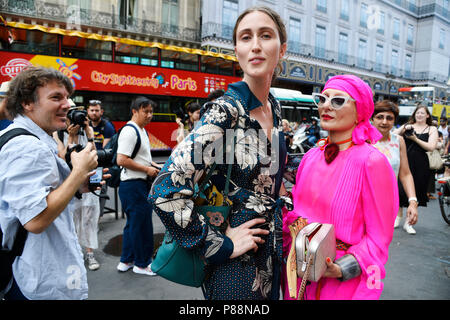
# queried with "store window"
point(76, 47)
point(136, 55)
point(31, 41)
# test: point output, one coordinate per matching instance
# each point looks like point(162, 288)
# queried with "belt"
point(341, 245)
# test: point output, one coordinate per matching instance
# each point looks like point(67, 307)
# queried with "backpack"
point(7, 257)
point(115, 169)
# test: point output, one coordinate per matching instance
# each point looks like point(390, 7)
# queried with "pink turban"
point(362, 94)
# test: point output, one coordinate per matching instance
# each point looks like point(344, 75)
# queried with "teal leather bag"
point(187, 266)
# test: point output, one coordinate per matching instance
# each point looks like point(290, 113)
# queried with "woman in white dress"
point(394, 148)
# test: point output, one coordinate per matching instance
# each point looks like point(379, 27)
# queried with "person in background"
point(443, 129)
point(215, 94)
point(288, 135)
point(394, 148)
point(5, 120)
point(193, 111)
point(348, 183)
point(420, 136)
point(137, 245)
point(85, 211)
point(313, 133)
point(103, 131)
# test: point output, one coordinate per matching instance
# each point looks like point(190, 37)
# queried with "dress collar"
point(241, 91)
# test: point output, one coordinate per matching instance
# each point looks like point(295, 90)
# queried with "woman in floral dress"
point(243, 262)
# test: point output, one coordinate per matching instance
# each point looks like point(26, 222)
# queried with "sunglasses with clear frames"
point(381, 117)
point(336, 102)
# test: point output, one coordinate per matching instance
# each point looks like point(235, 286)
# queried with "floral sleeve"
point(172, 191)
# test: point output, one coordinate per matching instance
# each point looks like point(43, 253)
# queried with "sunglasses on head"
point(336, 102)
point(94, 102)
point(381, 117)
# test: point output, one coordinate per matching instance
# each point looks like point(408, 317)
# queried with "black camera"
point(77, 117)
point(409, 132)
point(104, 159)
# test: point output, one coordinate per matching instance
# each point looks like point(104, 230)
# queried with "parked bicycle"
point(444, 192)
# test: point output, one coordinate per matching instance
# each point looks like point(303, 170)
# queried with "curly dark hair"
point(23, 89)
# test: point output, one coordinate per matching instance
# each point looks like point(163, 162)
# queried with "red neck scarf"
point(331, 149)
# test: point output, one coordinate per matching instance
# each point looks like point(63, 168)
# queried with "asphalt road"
point(418, 267)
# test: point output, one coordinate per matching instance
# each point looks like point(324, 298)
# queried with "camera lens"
point(77, 117)
point(105, 158)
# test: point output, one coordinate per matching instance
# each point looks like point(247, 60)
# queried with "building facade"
point(388, 43)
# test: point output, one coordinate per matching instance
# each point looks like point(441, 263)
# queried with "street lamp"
point(390, 76)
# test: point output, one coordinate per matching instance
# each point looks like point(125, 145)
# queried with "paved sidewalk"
point(418, 267)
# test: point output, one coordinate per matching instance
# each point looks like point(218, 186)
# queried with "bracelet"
point(412, 199)
point(90, 139)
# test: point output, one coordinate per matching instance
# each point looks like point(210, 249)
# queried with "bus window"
point(179, 60)
point(75, 47)
point(217, 65)
point(34, 42)
point(136, 55)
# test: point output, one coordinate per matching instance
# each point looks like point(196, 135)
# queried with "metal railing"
point(75, 17)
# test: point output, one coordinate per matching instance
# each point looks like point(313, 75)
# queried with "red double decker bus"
point(115, 71)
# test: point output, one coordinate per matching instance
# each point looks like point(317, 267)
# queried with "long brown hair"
point(412, 119)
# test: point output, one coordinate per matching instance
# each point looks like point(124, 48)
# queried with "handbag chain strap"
point(304, 279)
point(202, 186)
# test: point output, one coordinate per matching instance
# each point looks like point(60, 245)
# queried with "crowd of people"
point(342, 180)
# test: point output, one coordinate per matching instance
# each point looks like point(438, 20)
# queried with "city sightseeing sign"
point(118, 77)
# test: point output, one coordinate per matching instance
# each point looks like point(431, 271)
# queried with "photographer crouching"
point(36, 187)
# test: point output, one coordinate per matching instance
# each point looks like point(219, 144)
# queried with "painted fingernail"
point(328, 260)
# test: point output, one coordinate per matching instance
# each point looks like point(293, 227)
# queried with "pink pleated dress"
point(358, 194)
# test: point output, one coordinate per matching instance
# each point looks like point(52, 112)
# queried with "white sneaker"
point(397, 221)
point(122, 267)
point(408, 228)
point(92, 263)
point(147, 271)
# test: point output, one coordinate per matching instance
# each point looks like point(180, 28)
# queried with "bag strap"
point(14, 133)
point(137, 146)
point(22, 233)
point(202, 186)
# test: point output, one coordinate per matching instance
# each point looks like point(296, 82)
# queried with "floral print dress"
point(254, 187)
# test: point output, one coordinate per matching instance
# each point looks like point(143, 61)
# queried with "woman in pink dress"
point(350, 184)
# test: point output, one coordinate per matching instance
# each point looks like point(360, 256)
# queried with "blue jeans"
point(137, 242)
